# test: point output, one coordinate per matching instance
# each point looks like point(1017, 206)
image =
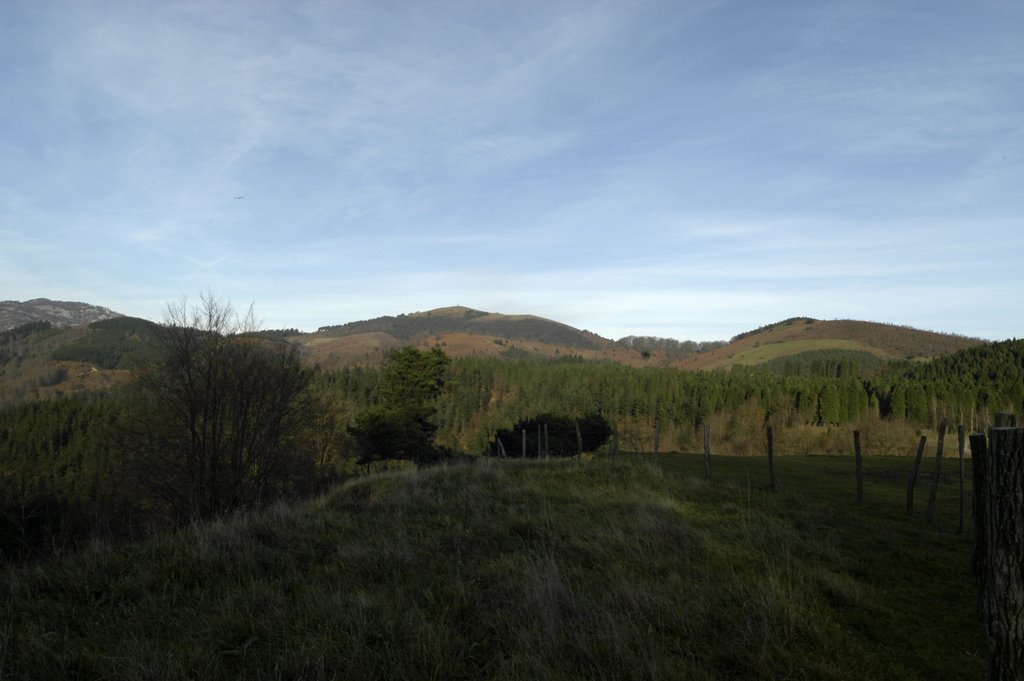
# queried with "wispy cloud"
point(694, 168)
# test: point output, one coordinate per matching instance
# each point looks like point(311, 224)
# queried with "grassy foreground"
point(620, 568)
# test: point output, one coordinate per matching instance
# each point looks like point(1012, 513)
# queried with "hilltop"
point(60, 313)
point(461, 332)
point(799, 336)
point(458, 319)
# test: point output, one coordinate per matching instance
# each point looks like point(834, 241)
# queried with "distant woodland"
point(220, 416)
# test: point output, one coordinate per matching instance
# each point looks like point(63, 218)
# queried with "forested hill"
point(41, 359)
point(462, 332)
point(406, 327)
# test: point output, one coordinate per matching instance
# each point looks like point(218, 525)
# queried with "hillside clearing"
point(759, 354)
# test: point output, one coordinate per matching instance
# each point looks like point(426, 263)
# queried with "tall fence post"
point(999, 535)
point(960, 436)
point(707, 451)
point(929, 514)
point(913, 474)
point(657, 435)
point(860, 467)
point(979, 449)
point(1005, 419)
point(771, 459)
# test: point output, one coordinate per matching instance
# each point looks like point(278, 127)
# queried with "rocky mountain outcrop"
point(58, 312)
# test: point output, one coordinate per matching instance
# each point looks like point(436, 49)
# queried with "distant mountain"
point(59, 313)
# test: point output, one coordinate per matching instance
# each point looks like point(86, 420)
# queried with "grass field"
point(630, 567)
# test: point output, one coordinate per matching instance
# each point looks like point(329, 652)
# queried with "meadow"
point(619, 567)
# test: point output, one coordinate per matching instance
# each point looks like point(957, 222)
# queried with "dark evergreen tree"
point(403, 425)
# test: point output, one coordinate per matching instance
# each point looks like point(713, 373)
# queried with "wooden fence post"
point(913, 474)
point(707, 451)
point(979, 448)
point(1005, 419)
point(960, 448)
point(929, 514)
point(657, 434)
point(999, 561)
point(524, 443)
point(579, 438)
point(860, 467)
point(771, 459)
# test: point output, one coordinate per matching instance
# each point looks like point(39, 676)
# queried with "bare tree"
point(220, 411)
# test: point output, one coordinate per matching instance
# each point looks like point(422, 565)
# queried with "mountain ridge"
point(59, 313)
point(466, 332)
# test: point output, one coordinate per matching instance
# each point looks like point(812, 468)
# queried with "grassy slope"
point(759, 354)
point(794, 336)
point(368, 349)
point(628, 568)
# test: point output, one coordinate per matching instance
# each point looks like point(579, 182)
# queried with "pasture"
point(625, 567)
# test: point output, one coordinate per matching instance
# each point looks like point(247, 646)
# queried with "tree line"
point(221, 416)
point(966, 387)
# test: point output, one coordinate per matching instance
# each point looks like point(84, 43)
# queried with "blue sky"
point(688, 169)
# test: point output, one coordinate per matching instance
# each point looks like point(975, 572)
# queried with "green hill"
point(800, 335)
point(39, 361)
point(110, 343)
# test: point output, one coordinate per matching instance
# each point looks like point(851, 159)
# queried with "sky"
point(689, 169)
